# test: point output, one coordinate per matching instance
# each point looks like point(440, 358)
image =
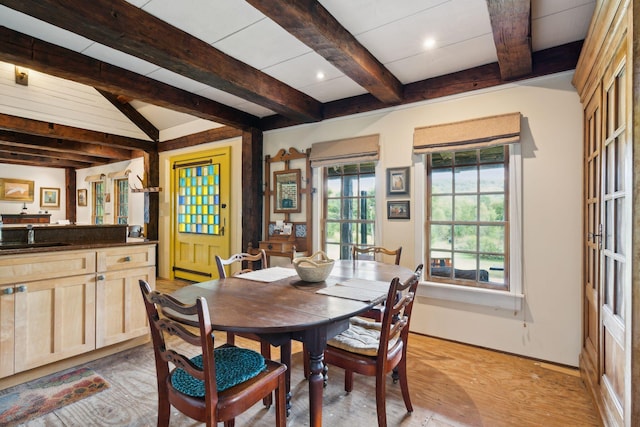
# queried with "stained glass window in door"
point(199, 199)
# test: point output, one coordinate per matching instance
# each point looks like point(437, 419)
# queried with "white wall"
point(136, 200)
point(41, 177)
point(549, 326)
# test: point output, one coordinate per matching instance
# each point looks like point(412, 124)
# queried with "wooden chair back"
point(375, 251)
point(213, 407)
point(394, 329)
point(249, 262)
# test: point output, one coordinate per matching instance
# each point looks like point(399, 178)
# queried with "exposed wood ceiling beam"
point(313, 25)
point(54, 130)
point(132, 114)
point(21, 49)
point(511, 24)
point(212, 135)
point(548, 61)
point(129, 29)
point(64, 146)
point(43, 152)
point(36, 160)
point(87, 160)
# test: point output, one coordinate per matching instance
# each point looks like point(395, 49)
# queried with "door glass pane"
point(620, 228)
point(619, 289)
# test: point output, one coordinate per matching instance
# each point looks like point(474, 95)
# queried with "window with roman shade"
point(470, 237)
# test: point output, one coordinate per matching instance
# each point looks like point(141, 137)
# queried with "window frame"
point(116, 200)
point(478, 223)
point(98, 202)
point(501, 299)
point(325, 205)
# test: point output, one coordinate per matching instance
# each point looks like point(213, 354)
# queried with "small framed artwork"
point(49, 197)
point(19, 190)
point(397, 181)
point(398, 209)
point(82, 197)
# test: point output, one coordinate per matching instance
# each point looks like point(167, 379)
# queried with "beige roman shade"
point(469, 134)
point(95, 178)
point(119, 174)
point(348, 150)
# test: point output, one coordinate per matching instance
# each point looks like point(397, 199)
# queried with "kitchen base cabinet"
point(62, 308)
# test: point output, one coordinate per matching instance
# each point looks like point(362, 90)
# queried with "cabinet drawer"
point(275, 246)
point(27, 268)
point(123, 257)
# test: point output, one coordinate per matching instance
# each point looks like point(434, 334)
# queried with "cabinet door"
point(7, 304)
point(54, 319)
point(120, 311)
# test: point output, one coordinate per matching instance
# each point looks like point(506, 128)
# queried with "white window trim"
point(509, 300)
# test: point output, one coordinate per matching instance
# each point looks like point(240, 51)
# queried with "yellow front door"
point(200, 209)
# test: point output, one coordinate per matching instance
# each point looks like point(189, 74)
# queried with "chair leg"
point(265, 351)
point(281, 416)
point(381, 404)
point(164, 408)
point(348, 381)
point(394, 375)
point(404, 385)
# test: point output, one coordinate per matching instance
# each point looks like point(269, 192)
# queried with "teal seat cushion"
point(233, 366)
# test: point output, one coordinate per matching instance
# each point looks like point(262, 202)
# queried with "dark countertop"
point(69, 246)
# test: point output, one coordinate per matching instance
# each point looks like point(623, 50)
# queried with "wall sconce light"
point(22, 76)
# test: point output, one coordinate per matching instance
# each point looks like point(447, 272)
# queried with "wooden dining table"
point(282, 309)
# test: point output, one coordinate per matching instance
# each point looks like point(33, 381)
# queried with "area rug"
point(39, 397)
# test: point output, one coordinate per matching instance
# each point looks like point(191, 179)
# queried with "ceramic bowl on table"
point(315, 268)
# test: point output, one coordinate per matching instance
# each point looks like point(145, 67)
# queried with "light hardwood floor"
point(451, 384)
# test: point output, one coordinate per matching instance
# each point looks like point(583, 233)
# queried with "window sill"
point(476, 296)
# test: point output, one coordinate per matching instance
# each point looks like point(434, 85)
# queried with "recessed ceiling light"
point(320, 75)
point(429, 43)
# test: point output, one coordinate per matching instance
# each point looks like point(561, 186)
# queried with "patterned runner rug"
point(26, 401)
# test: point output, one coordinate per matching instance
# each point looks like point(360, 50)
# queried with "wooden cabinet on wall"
point(610, 357)
point(57, 305)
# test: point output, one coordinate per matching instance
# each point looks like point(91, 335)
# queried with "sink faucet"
point(30, 235)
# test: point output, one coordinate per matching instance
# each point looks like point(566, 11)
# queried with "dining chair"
point(217, 384)
point(374, 252)
point(254, 262)
point(376, 312)
point(374, 348)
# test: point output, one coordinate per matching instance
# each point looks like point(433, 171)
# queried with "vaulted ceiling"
point(255, 64)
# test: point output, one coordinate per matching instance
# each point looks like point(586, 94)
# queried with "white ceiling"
point(392, 30)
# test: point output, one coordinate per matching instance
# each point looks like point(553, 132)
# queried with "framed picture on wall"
point(19, 190)
point(49, 197)
point(398, 209)
point(82, 197)
point(397, 181)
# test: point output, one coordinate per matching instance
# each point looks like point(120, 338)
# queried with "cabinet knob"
point(100, 277)
point(127, 259)
point(21, 288)
point(7, 291)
